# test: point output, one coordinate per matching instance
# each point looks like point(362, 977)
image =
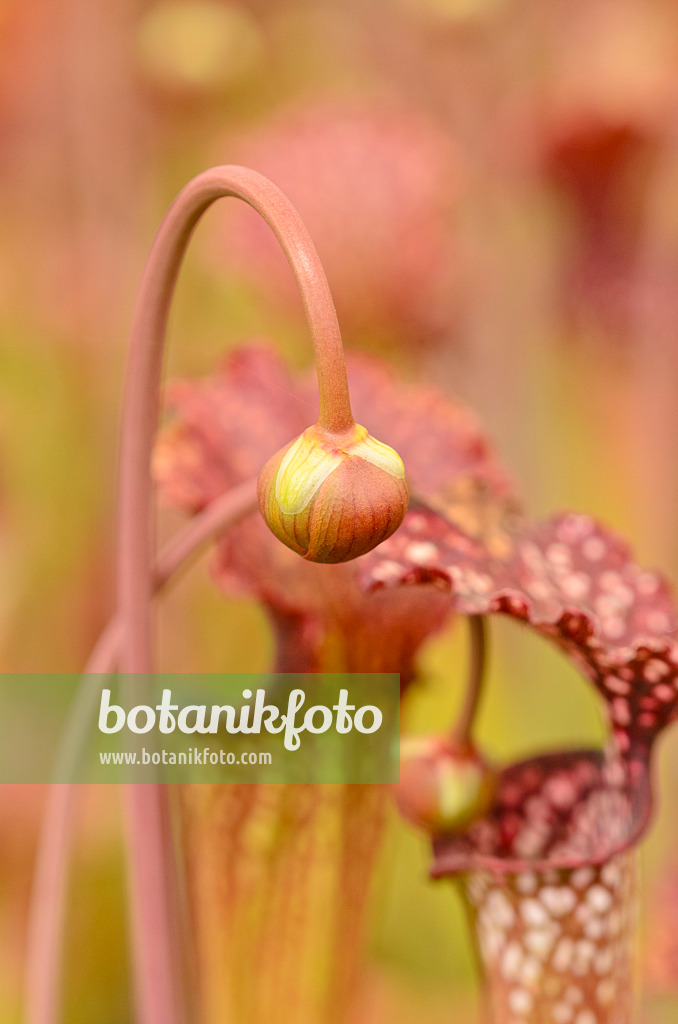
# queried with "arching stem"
point(152, 875)
point(474, 685)
point(144, 370)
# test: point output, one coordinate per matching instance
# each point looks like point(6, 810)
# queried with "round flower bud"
point(442, 788)
point(333, 498)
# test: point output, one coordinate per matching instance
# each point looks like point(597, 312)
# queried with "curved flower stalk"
point(154, 901)
point(549, 868)
point(281, 878)
point(445, 782)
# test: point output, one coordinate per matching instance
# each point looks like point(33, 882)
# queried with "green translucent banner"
point(199, 728)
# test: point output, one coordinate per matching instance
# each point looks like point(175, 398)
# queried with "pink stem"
point(219, 515)
point(145, 359)
point(155, 917)
point(154, 906)
point(48, 899)
point(474, 686)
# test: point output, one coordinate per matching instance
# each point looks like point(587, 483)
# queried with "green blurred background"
point(491, 185)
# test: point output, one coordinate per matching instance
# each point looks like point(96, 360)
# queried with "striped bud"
point(331, 498)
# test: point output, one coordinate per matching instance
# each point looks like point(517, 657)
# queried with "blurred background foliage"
point(491, 185)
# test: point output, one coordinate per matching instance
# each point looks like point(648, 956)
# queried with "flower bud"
point(442, 788)
point(333, 498)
